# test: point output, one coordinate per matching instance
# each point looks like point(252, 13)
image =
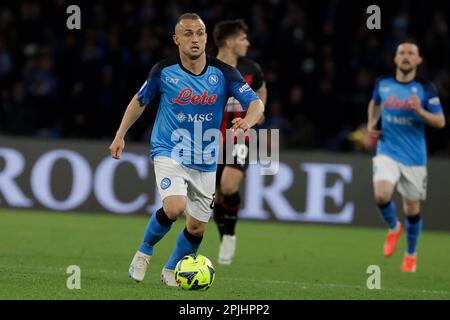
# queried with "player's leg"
point(218, 209)
point(412, 186)
point(200, 201)
point(188, 242)
point(231, 202)
point(232, 176)
point(161, 222)
point(172, 188)
point(413, 226)
point(385, 176)
point(383, 191)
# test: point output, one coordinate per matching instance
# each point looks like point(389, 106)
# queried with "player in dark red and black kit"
point(231, 39)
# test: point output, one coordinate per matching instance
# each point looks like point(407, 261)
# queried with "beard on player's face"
point(406, 66)
point(406, 71)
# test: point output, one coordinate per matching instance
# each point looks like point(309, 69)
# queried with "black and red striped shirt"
point(253, 75)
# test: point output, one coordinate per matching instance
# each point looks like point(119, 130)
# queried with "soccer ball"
point(194, 272)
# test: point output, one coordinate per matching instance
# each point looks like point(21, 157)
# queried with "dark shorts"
point(241, 160)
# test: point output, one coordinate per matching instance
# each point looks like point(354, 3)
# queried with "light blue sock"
point(186, 244)
point(153, 233)
point(413, 226)
point(387, 211)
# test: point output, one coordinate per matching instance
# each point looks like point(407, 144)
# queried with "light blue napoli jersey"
point(191, 107)
point(403, 131)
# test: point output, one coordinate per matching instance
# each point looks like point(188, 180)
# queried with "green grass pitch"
point(273, 260)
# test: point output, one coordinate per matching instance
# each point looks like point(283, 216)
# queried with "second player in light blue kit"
point(406, 104)
point(193, 89)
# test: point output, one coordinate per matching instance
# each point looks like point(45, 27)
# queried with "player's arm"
point(259, 87)
point(373, 116)
point(238, 88)
point(374, 111)
point(254, 113)
point(262, 94)
point(434, 119)
point(132, 113)
point(135, 108)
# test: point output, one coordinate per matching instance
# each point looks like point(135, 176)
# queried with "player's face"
point(240, 44)
point(190, 37)
point(407, 57)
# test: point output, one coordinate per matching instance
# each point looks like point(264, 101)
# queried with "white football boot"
point(138, 266)
point(168, 277)
point(227, 249)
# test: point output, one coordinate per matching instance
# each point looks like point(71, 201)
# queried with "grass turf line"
point(273, 260)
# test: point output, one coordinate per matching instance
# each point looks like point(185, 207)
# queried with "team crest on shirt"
point(213, 79)
point(414, 90)
point(165, 183)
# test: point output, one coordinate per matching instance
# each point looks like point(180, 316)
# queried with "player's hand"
point(239, 123)
point(117, 147)
point(416, 105)
point(374, 133)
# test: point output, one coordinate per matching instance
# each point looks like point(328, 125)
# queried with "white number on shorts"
point(240, 151)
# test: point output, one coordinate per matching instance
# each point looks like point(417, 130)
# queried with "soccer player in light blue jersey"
point(193, 89)
point(406, 105)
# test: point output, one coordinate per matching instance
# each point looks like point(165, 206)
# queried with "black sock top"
point(383, 206)
point(163, 219)
point(414, 219)
point(191, 238)
point(232, 200)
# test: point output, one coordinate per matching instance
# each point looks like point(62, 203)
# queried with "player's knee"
point(382, 198)
point(174, 209)
point(173, 213)
point(196, 229)
point(228, 187)
point(411, 209)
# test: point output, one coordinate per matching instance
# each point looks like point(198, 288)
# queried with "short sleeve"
point(376, 92)
point(432, 101)
point(238, 88)
point(150, 89)
point(258, 79)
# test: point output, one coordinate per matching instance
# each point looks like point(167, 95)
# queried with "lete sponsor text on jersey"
point(187, 96)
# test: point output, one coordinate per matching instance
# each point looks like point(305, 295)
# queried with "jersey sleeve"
point(150, 89)
point(432, 101)
point(258, 80)
point(376, 93)
point(238, 88)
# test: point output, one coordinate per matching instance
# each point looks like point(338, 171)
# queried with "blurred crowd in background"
point(320, 62)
